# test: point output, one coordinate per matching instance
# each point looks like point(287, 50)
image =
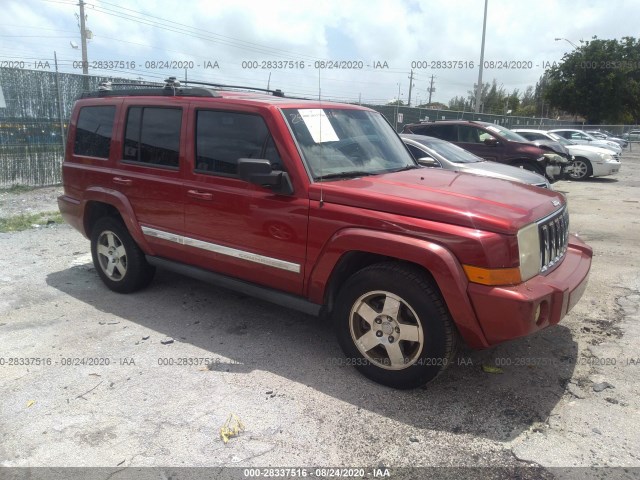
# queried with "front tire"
point(393, 325)
point(581, 169)
point(119, 261)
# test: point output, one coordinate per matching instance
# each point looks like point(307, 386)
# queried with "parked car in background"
point(496, 143)
point(632, 136)
point(604, 135)
point(578, 136)
point(436, 153)
point(588, 160)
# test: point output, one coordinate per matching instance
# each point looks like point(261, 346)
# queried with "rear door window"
point(444, 132)
point(152, 136)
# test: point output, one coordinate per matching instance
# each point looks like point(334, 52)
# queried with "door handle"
point(200, 195)
point(122, 181)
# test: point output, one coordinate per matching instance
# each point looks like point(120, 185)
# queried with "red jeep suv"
point(319, 207)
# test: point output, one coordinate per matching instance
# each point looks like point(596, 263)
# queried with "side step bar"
point(263, 293)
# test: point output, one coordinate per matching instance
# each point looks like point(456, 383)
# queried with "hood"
point(550, 145)
point(504, 172)
point(605, 144)
point(444, 196)
point(528, 147)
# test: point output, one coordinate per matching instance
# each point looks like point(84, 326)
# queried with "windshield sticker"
point(318, 125)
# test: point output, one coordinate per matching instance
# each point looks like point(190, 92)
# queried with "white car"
point(589, 160)
point(583, 138)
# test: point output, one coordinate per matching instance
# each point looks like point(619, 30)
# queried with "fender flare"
point(436, 259)
point(119, 201)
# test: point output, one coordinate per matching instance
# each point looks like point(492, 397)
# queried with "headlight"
point(605, 157)
point(529, 248)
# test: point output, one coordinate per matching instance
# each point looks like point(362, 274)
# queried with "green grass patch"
point(18, 223)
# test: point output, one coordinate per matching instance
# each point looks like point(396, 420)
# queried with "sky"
point(346, 50)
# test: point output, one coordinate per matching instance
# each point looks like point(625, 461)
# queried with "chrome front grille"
point(554, 238)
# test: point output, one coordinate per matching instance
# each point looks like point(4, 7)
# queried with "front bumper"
point(605, 168)
point(505, 313)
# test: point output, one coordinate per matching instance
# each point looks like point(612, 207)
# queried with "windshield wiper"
point(405, 168)
point(350, 174)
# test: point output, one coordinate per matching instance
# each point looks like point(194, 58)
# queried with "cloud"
point(398, 32)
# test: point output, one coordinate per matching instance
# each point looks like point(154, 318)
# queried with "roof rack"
point(276, 93)
point(171, 88)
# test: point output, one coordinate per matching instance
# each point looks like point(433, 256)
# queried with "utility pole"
point(55, 60)
point(83, 41)
point(484, 31)
point(397, 108)
point(410, 85)
point(431, 89)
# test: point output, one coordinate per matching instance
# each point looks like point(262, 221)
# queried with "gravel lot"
point(567, 397)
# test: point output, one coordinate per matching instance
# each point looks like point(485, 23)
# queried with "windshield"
point(560, 140)
point(506, 133)
point(347, 143)
point(452, 152)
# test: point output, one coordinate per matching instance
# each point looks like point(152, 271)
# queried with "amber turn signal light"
point(492, 276)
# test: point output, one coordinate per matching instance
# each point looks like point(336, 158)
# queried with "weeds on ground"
point(21, 222)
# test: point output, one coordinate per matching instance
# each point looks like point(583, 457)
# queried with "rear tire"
point(117, 258)
point(393, 325)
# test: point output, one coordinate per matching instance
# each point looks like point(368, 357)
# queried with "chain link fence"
point(34, 111)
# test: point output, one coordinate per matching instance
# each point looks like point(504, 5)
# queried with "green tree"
point(599, 80)
point(459, 104)
point(434, 106)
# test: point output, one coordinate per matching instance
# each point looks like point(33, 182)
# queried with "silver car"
point(603, 135)
point(436, 153)
point(589, 160)
point(583, 138)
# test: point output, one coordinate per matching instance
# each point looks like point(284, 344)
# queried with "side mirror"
point(260, 172)
point(490, 142)
point(429, 162)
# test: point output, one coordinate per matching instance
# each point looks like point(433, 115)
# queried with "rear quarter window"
point(93, 131)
